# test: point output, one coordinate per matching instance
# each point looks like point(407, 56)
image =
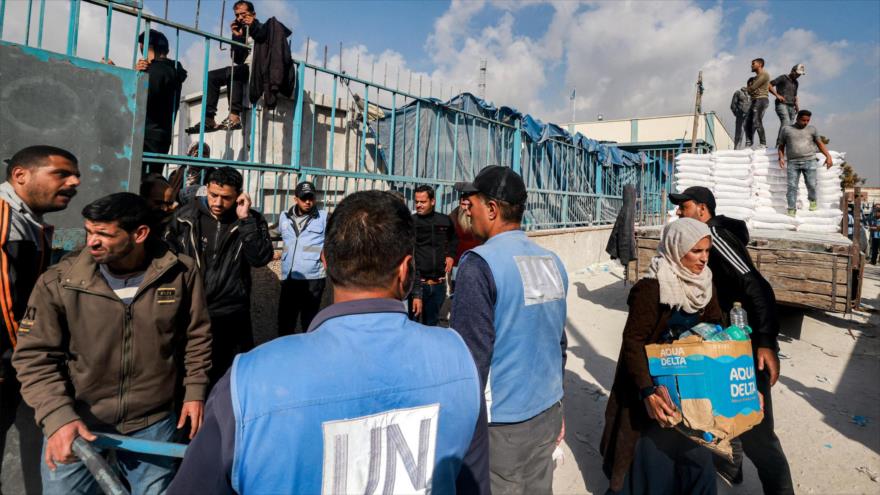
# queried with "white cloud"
point(282, 10)
point(629, 59)
point(626, 59)
point(92, 30)
point(858, 133)
point(755, 23)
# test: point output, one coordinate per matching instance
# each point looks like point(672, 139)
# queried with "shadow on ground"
point(610, 296)
point(851, 409)
point(585, 408)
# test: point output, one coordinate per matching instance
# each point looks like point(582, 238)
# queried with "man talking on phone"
point(234, 76)
point(227, 238)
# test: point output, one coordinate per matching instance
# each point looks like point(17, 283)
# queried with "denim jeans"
point(755, 121)
point(433, 297)
point(795, 168)
point(147, 474)
point(787, 116)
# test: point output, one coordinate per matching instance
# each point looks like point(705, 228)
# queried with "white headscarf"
point(681, 288)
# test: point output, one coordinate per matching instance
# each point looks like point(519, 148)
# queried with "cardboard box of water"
point(712, 385)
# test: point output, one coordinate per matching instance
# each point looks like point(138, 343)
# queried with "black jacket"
point(271, 71)
point(163, 96)
point(622, 242)
point(435, 241)
point(224, 249)
point(737, 279)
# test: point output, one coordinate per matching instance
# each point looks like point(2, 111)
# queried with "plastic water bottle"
point(738, 316)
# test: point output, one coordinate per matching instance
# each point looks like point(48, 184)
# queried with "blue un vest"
point(525, 376)
point(302, 254)
point(366, 403)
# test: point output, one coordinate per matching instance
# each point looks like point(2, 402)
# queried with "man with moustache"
point(107, 337)
point(39, 179)
point(510, 309)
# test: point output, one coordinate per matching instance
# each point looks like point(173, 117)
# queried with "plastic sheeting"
point(429, 140)
point(573, 180)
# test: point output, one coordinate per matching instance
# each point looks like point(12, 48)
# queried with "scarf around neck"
point(680, 288)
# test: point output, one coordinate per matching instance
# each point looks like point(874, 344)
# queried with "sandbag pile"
point(749, 185)
point(733, 181)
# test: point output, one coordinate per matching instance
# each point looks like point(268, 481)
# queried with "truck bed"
point(805, 269)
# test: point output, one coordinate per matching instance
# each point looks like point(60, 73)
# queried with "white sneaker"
point(761, 147)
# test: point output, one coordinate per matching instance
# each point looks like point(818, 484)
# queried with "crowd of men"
point(134, 333)
point(147, 330)
point(797, 141)
point(751, 101)
point(151, 319)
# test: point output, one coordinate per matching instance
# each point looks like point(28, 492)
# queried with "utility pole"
point(482, 85)
point(697, 111)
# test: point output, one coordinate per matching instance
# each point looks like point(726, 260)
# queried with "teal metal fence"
point(349, 133)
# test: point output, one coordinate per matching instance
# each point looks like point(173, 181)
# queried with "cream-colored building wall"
point(723, 139)
point(608, 130)
point(669, 128)
point(654, 129)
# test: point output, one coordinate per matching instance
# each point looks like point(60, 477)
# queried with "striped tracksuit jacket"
point(737, 279)
point(25, 250)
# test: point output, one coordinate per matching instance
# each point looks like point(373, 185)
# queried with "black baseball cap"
point(304, 189)
point(497, 182)
point(697, 194)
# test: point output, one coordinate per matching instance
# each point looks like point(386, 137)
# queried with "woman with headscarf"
point(642, 453)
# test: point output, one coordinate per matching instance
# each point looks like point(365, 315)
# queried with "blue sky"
point(626, 59)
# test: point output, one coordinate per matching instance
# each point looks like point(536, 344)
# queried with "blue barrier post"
point(332, 120)
point(416, 137)
point(139, 445)
point(2, 15)
point(393, 131)
point(204, 97)
point(600, 191)
point(73, 27)
point(108, 26)
point(297, 117)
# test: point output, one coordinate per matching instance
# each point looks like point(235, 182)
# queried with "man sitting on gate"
point(366, 401)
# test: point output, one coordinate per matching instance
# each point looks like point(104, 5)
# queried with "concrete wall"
point(723, 139)
point(578, 248)
point(273, 131)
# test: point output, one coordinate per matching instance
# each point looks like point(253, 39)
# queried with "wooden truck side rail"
point(803, 272)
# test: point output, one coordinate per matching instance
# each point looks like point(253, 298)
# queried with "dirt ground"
point(826, 403)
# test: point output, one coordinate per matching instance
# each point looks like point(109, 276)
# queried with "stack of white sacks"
point(749, 185)
point(693, 170)
point(733, 184)
point(828, 193)
point(769, 190)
